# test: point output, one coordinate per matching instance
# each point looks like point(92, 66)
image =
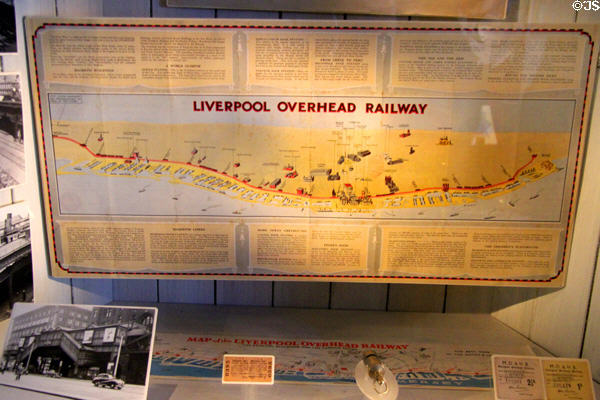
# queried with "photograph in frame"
point(79, 351)
point(8, 31)
point(16, 278)
point(12, 156)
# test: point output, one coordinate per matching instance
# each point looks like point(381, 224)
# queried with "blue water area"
point(214, 369)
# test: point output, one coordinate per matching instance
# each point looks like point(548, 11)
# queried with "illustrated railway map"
point(482, 165)
point(296, 360)
point(379, 152)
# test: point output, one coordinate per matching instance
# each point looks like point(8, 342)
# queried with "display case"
point(562, 321)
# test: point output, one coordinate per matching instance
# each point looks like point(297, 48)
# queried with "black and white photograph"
point(16, 280)
point(12, 157)
point(8, 32)
point(78, 351)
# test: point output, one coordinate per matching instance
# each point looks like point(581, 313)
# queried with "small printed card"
point(248, 369)
point(541, 378)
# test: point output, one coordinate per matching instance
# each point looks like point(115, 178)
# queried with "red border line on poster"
point(356, 28)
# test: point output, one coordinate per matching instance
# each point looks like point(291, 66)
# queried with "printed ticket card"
point(248, 369)
point(517, 377)
point(568, 379)
point(541, 378)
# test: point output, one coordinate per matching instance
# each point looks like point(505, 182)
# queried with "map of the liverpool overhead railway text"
point(337, 157)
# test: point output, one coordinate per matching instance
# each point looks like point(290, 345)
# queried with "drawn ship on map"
point(444, 141)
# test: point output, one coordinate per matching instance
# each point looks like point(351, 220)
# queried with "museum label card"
point(248, 369)
point(541, 378)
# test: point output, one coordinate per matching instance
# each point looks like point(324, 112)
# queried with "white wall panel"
point(561, 314)
point(159, 11)
point(46, 289)
point(549, 11)
point(248, 293)
point(469, 299)
point(359, 296)
point(247, 14)
point(548, 317)
point(591, 345)
point(416, 298)
point(140, 290)
point(129, 8)
point(92, 291)
point(301, 294)
point(514, 307)
point(301, 15)
point(78, 8)
point(186, 291)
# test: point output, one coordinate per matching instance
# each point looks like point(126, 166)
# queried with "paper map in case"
point(281, 160)
point(380, 152)
point(318, 361)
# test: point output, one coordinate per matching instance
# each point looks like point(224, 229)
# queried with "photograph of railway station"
point(16, 278)
point(12, 157)
point(65, 349)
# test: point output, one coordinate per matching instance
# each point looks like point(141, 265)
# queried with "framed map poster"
point(385, 152)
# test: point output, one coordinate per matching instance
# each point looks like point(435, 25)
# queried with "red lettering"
point(403, 108)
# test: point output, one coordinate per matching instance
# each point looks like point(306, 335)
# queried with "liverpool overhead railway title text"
point(307, 107)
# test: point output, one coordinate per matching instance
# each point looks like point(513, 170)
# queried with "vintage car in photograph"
point(107, 380)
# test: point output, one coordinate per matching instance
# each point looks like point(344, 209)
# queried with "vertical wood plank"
point(247, 14)
point(78, 8)
point(416, 298)
point(129, 8)
point(159, 11)
point(183, 291)
point(301, 294)
point(591, 344)
point(142, 290)
point(246, 293)
point(469, 299)
point(92, 291)
point(359, 296)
